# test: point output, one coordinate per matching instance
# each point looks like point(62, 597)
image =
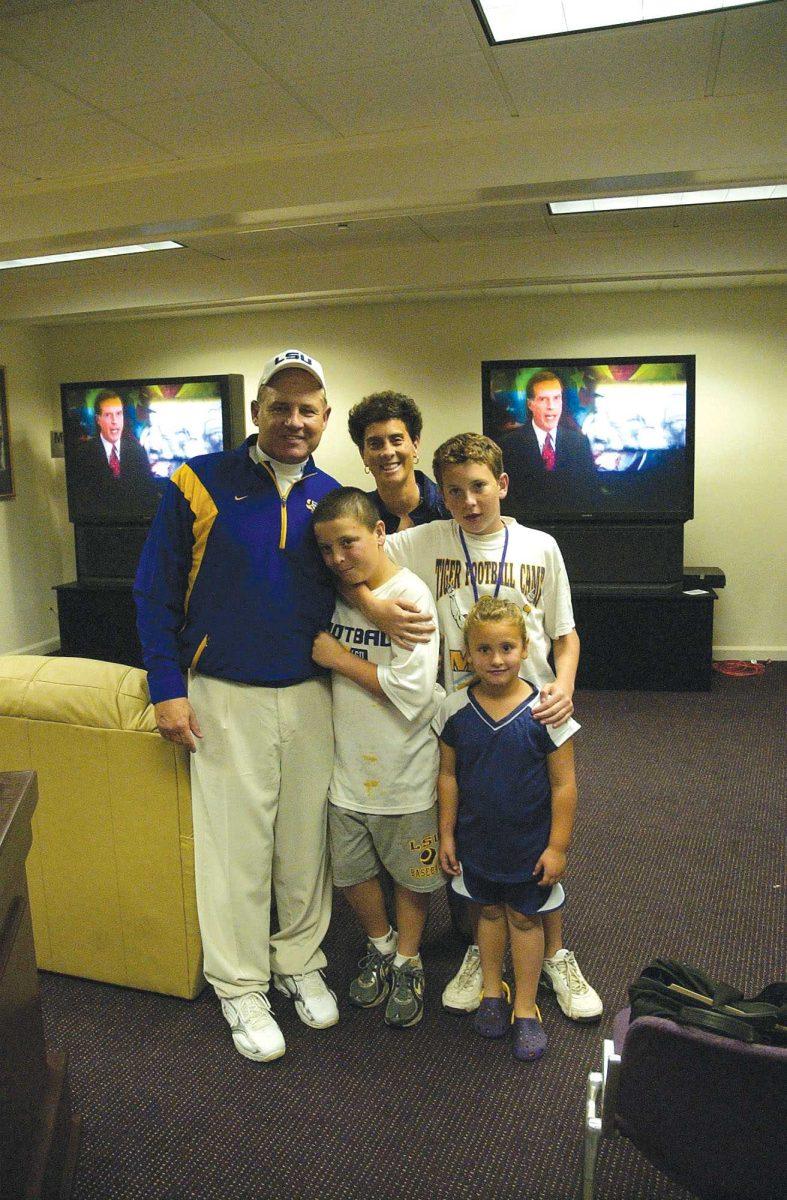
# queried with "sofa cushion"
point(75, 691)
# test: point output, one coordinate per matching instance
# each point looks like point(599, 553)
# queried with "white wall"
point(433, 351)
point(35, 538)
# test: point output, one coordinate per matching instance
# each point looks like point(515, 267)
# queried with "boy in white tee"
point(482, 553)
point(382, 795)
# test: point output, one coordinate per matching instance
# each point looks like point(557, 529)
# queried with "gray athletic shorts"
point(405, 844)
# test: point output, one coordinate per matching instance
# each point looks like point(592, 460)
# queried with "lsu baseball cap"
point(291, 358)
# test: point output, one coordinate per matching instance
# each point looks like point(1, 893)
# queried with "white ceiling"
point(313, 150)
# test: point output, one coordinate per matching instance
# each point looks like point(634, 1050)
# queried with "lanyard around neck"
point(471, 566)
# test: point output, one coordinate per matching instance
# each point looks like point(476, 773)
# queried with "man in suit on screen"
point(111, 475)
point(545, 456)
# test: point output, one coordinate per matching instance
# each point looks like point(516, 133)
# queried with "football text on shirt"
point(351, 635)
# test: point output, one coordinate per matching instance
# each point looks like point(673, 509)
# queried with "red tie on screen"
point(548, 454)
point(114, 463)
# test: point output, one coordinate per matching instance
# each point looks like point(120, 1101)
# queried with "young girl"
point(507, 795)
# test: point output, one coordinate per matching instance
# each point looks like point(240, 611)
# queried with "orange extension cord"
point(739, 668)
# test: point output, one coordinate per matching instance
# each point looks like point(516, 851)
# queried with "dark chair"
point(708, 1111)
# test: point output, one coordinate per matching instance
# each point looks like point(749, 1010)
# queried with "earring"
point(366, 471)
point(416, 458)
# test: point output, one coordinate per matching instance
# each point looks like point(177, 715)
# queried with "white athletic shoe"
point(315, 1003)
point(463, 992)
point(254, 1030)
point(578, 1000)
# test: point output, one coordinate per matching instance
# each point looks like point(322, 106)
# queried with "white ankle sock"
point(401, 959)
point(387, 944)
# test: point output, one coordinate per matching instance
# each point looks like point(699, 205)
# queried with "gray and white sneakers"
point(577, 999)
point(463, 992)
point(315, 1003)
point(250, 1017)
point(254, 1030)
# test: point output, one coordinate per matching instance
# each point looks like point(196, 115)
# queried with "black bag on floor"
point(685, 994)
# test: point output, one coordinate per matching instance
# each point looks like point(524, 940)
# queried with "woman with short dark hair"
point(386, 428)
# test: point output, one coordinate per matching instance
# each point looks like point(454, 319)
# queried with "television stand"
point(97, 619)
point(634, 554)
point(653, 641)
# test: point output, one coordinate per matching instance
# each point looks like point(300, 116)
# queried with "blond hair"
point(490, 608)
point(467, 447)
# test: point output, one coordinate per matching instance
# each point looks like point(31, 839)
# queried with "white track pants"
point(259, 782)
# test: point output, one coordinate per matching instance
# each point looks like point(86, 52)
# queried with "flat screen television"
point(124, 438)
point(594, 439)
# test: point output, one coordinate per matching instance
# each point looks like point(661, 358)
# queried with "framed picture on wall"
point(6, 477)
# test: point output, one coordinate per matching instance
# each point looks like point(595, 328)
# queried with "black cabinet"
point(631, 641)
point(97, 619)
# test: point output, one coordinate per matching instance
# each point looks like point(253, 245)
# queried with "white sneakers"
point(561, 974)
point(578, 1000)
point(315, 1003)
point(254, 1030)
point(463, 992)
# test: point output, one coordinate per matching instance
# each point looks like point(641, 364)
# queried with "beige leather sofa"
point(111, 870)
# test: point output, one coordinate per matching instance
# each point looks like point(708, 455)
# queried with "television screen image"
point(124, 439)
point(591, 439)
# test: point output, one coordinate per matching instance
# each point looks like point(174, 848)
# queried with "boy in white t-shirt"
point(382, 795)
point(482, 553)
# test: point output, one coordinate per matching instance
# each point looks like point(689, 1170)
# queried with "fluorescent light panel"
point(516, 21)
point(777, 191)
point(102, 252)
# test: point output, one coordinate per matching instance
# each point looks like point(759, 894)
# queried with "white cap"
point(291, 358)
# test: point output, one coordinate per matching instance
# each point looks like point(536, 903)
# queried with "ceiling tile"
point(16, 8)
point(25, 98)
point(237, 119)
point(507, 220)
point(424, 94)
point(10, 179)
point(666, 61)
point(380, 231)
point(52, 149)
point(242, 244)
point(114, 52)
point(297, 37)
point(754, 51)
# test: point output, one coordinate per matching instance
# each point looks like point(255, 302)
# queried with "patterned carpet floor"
point(677, 852)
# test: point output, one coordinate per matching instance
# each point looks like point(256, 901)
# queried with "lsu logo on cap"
point(293, 356)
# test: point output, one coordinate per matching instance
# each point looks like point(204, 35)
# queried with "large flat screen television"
point(124, 438)
point(594, 439)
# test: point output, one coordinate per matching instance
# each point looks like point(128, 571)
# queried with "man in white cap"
point(230, 594)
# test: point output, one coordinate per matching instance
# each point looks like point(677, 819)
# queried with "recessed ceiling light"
point(777, 191)
point(514, 21)
point(102, 252)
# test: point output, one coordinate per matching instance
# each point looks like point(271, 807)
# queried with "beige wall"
point(35, 537)
point(433, 351)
